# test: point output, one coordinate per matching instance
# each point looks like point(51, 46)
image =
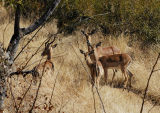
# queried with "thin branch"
point(54, 85)
point(156, 70)
point(34, 54)
point(24, 96)
point(28, 42)
point(102, 14)
point(14, 100)
point(94, 101)
point(63, 105)
point(145, 92)
point(91, 79)
point(30, 111)
point(24, 73)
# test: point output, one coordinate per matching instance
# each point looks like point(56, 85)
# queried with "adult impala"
point(117, 61)
point(48, 64)
point(45, 67)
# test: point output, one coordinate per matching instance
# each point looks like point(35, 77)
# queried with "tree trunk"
point(13, 45)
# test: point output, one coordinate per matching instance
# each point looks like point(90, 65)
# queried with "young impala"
point(91, 62)
point(100, 51)
point(117, 61)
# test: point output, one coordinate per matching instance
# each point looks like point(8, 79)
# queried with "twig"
point(54, 85)
point(91, 79)
point(24, 96)
point(12, 94)
point(151, 108)
point(24, 73)
point(34, 54)
point(156, 70)
point(62, 106)
point(102, 14)
point(30, 111)
point(28, 43)
point(94, 101)
point(145, 92)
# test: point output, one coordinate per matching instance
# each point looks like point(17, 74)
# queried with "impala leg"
point(126, 79)
point(113, 76)
point(105, 75)
point(98, 79)
point(100, 72)
point(92, 77)
point(100, 67)
point(130, 77)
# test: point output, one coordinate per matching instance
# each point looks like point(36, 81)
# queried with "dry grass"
point(73, 93)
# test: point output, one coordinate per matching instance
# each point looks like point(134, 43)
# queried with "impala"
point(117, 61)
point(100, 51)
point(45, 67)
point(48, 64)
point(91, 62)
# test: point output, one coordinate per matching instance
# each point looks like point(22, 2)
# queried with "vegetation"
point(140, 17)
point(69, 88)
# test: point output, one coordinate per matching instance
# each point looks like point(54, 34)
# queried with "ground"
point(72, 90)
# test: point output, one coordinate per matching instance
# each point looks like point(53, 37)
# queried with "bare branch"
point(41, 20)
point(55, 83)
point(14, 101)
point(35, 99)
point(24, 96)
point(34, 54)
point(24, 73)
point(27, 43)
point(13, 45)
point(156, 70)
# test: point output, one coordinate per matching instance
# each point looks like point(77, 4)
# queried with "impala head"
point(88, 37)
point(98, 44)
point(48, 49)
point(89, 56)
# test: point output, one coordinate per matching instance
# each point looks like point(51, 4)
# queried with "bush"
point(140, 17)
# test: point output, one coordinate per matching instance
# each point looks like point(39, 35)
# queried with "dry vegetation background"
point(72, 91)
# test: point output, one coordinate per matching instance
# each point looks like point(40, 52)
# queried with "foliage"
point(29, 8)
point(140, 17)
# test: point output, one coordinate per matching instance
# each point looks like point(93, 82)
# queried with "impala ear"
point(98, 44)
point(92, 32)
point(55, 45)
point(91, 52)
point(82, 32)
point(81, 51)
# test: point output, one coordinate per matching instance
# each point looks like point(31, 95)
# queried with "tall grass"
point(73, 91)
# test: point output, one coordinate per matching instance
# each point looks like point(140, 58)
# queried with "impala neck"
point(49, 54)
point(90, 48)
